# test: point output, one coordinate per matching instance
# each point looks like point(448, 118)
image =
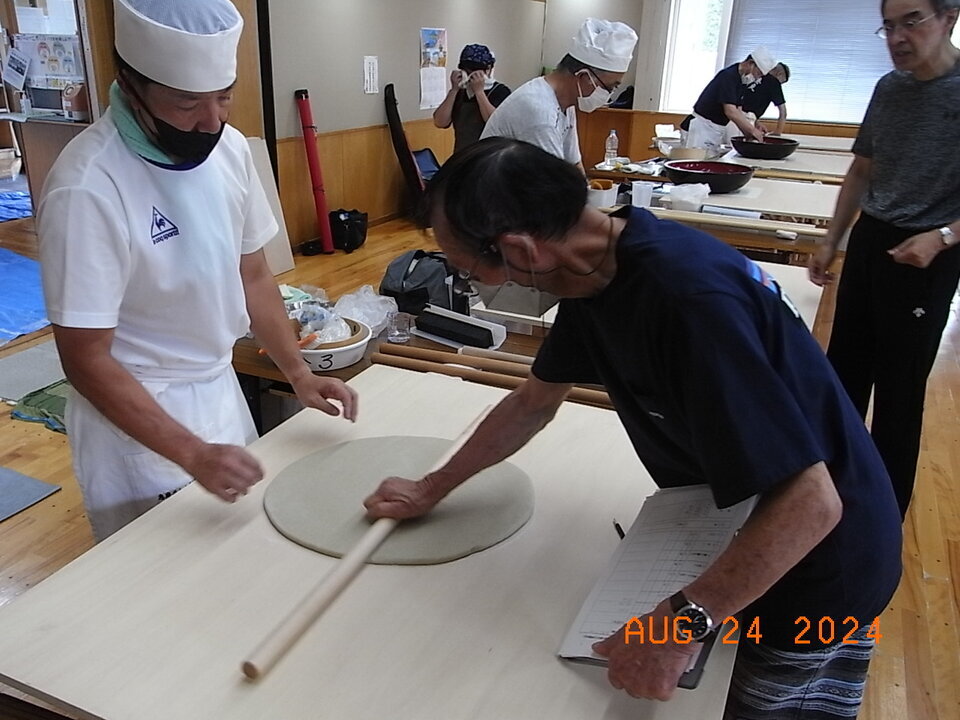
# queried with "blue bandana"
point(477, 55)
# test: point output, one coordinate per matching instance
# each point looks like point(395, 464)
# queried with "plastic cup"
point(642, 193)
point(398, 327)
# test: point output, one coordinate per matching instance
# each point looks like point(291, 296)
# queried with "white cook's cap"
point(186, 44)
point(763, 59)
point(604, 45)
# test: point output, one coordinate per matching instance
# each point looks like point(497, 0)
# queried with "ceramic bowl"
point(340, 354)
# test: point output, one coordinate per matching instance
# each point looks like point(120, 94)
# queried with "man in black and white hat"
point(151, 228)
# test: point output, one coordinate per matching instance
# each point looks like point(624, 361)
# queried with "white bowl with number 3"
point(341, 354)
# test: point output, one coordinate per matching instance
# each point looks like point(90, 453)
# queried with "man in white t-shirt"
point(541, 111)
point(151, 227)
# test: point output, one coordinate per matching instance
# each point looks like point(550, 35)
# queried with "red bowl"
point(722, 177)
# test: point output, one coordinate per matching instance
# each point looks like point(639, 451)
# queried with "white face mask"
point(488, 82)
point(595, 100)
point(748, 79)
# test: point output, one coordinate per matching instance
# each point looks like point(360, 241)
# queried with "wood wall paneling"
point(360, 171)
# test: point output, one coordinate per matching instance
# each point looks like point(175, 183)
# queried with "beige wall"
point(564, 17)
point(320, 46)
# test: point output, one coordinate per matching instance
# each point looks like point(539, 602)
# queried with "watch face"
point(693, 622)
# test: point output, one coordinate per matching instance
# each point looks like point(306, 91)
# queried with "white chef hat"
point(763, 59)
point(604, 45)
point(186, 44)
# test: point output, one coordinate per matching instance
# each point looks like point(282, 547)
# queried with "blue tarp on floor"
point(14, 205)
point(22, 309)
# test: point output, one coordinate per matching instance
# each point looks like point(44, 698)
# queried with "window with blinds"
point(835, 59)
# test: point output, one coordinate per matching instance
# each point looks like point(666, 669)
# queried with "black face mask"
point(190, 145)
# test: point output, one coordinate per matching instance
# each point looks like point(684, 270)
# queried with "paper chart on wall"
point(433, 67)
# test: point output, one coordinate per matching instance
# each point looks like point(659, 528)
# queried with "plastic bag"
point(367, 307)
point(689, 196)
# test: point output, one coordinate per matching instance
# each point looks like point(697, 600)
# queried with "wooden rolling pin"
point(496, 355)
point(804, 231)
point(439, 356)
point(597, 398)
point(294, 625)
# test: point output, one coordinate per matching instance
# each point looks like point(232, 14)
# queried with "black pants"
point(886, 331)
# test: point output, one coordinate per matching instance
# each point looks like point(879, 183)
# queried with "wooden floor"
point(915, 672)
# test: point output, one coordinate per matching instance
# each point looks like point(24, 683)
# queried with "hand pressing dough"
point(317, 502)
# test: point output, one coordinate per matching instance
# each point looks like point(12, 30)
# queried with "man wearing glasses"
point(541, 111)
point(901, 267)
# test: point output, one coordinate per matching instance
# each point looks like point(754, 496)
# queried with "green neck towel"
point(133, 135)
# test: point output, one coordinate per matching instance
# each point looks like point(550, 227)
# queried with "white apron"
point(120, 478)
point(705, 134)
point(733, 131)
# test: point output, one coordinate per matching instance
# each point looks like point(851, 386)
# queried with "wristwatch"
point(691, 618)
point(947, 236)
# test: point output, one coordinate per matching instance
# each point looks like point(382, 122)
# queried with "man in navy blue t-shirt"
point(719, 103)
point(757, 99)
point(716, 380)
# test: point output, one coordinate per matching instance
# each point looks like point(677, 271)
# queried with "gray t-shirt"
point(532, 114)
point(911, 133)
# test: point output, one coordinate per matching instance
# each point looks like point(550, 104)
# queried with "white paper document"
point(677, 534)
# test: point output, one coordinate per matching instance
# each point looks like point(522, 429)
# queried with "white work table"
point(154, 622)
point(812, 201)
point(831, 166)
point(822, 142)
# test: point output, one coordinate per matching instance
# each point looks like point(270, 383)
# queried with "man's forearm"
point(268, 317)
point(786, 525)
point(507, 428)
point(848, 201)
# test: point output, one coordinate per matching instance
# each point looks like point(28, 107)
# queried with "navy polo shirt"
point(758, 98)
point(725, 88)
point(718, 381)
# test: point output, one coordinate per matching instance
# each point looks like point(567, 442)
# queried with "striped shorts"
point(771, 684)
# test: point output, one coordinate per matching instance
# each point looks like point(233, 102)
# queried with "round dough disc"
point(317, 502)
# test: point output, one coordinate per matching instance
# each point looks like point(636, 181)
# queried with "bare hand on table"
point(227, 471)
point(818, 267)
point(316, 391)
point(918, 250)
point(402, 499)
point(642, 668)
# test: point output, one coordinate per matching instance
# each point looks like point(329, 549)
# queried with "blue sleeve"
point(563, 357)
point(729, 90)
point(776, 91)
point(746, 427)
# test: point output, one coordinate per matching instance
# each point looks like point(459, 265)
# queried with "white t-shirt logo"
point(161, 228)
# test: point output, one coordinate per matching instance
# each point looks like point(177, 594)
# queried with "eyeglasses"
point(491, 251)
point(910, 24)
point(602, 83)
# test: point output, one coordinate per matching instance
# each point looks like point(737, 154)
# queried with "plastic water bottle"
point(610, 148)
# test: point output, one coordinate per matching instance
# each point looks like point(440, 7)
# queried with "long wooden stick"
point(586, 396)
point(294, 625)
point(448, 358)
